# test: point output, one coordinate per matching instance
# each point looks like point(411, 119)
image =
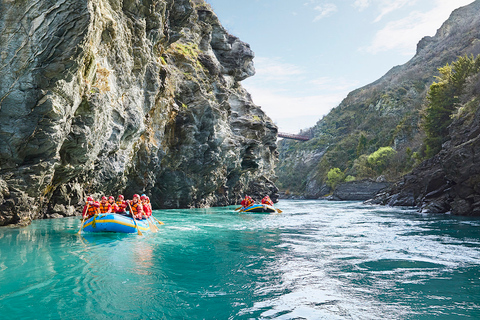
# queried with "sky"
point(309, 54)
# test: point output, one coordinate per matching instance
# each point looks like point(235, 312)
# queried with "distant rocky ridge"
point(108, 96)
point(387, 113)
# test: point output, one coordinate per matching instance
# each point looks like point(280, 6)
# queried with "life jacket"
point(247, 202)
point(147, 208)
point(104, 207)
point(137, 209)
point(92, 210)
point(267, 200)
point(121, 205)
point(113, 206)
point(144, 208)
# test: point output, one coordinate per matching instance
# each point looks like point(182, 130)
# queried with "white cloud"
point(384, 6)
point(361, 4)
point(388, 6)
point(324, 10)
point(403, 34)
point(273, 69)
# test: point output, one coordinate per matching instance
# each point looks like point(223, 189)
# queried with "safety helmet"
point(104, 198)
point(120, 196)
point(111, 197)
point(143, 197)
point(89, 199)
point(136, 196)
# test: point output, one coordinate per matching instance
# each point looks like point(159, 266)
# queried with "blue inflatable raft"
point(112, 222)
point(259, 208)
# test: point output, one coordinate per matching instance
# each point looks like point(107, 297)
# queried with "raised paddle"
point(83, 221)
point(133, 217)
point(159, 222)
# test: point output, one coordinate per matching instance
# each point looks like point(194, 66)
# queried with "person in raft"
point(121, 205)
point(266, 200)
point(113, 205)
point(247, 202)
point(137, 207)
point(105, 207)
point(147, 208)
point(91, 208)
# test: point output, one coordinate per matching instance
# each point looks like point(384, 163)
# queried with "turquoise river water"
point(316, 260)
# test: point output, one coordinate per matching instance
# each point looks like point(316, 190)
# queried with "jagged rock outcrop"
point(108, 96)
point(384, 113)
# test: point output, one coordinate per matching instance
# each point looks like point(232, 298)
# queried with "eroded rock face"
point(108, 96)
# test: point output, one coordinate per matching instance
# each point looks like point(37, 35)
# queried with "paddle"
point(238, 208)
point(159, 222)
point(133, 217)
point(83, 221)
point(151, 224)
point(278, 210)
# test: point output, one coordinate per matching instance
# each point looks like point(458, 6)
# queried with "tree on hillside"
point(334, 177)
point(380, 159)
point(442, 100)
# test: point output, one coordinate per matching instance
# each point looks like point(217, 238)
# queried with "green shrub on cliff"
point(350, 178)
point(443, 98)
point(334, 177)
point(380, 159)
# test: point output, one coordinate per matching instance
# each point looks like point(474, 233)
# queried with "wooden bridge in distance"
point(293, 136)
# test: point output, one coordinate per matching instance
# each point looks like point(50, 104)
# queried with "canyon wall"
point(101, 97)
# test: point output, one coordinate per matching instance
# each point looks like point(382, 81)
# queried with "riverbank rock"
point(106, 97)
point(358, 190)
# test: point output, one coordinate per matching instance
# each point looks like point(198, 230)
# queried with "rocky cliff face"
point(125, 96)
point(450, 181)
point(384, 113)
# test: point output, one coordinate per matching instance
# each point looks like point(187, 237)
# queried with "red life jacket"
point(121, 205)
point(136, 208)
point(104, 207)
point(247, 202)
point(113, 206)
point(267, 200)
point(92, 210)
